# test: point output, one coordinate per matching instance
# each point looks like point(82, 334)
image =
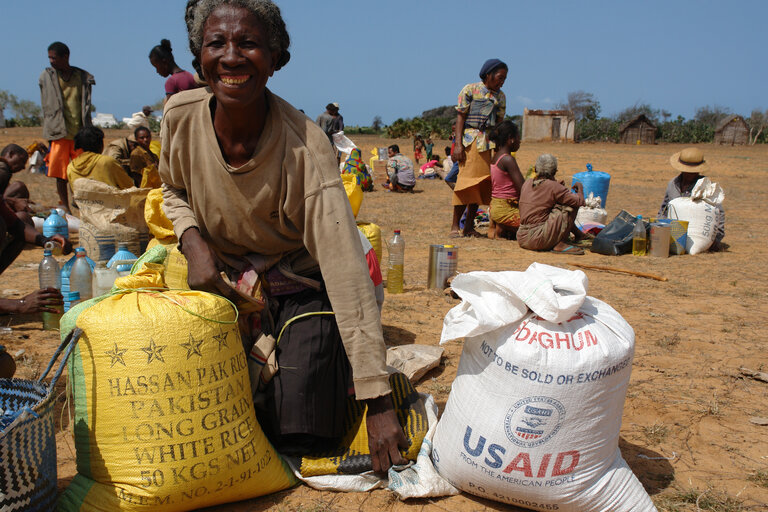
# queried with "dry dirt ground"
point(687, 400)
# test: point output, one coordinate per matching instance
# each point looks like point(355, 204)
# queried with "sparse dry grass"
point(655, 433)
point(699, 501)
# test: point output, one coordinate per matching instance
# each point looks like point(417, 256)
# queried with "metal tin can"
point(443, 262)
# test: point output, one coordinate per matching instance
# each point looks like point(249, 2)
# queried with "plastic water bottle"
point(122, 254)
point(639, 240)
point(81, 278)
point(103, 279)
point(50, 277)
point(396, 249)
point(55, 224)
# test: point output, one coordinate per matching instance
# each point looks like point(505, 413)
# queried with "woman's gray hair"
point(546, 166)
point(198, 11)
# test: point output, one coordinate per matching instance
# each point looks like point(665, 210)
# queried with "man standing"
point(327, 122)
point(65, 95)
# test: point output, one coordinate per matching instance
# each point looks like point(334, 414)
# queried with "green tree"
point(711, 115)
point(637, 109)
point(377, 124)
point(26, 113)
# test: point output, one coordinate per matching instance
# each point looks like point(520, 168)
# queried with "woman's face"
point(162, 67)
point(495, 80)
point(235, 58)
point(144, 137)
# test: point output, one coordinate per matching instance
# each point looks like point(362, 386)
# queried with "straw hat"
point(689, 160)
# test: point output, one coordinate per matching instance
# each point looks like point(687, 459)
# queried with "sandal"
point(474, 234)
point(569, 250)
point(455, 234)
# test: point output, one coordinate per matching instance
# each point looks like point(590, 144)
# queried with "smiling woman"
point(251, 185)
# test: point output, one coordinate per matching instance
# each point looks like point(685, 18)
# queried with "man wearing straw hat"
point(690, 162)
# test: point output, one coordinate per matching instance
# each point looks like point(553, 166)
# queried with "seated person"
point(143, 161)
point(120, 149)
point(690, 162)
point(355, 165)
point(432, 169)
point(506, 182)
point(548, 211)
point(14, 234)
point(13, 158)
point(399, 170)
point(92, 164)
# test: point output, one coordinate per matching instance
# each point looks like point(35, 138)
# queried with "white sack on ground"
point(704, 213)
point(534, 413)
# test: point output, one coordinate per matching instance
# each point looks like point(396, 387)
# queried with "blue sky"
point(398, 58)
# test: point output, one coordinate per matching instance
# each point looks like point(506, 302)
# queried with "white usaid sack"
point(534, 413)
point(704, 213)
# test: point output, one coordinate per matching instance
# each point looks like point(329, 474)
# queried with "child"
point(418, 149)
point(507, 181)
point(429, 146)
point(451, 168)
point(432, 169)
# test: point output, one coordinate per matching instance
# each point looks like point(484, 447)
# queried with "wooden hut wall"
point(639, 130)
point(733, 133)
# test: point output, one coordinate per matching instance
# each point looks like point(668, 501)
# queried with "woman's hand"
point(459, 155)
point(385, 436)
point(202, 268)
point(43, 300)
point(66, 246)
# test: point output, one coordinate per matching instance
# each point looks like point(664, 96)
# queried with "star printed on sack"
point(222, 338)
point(116, 355)
point(192, 346)
point(154, 351)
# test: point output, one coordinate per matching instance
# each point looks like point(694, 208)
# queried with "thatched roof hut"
point(638, 130)
point(732, 130)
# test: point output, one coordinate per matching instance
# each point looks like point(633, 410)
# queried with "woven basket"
point(28, 443)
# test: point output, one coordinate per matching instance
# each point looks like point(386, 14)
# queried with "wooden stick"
point(621, 270)
point(761, 376)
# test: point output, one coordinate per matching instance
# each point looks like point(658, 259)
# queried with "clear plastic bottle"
point(50, 277)
point(81, 277)
point(103, 279)
point(639, 239)
point(396, 249)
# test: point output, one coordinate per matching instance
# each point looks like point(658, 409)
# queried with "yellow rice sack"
point(159, 225)
point(163, 411)
point(373, 233)
point(176, 270)
point(354, 192)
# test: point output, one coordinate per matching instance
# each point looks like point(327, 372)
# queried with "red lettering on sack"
point(591, 339)
point(520, 331)
point(566, 338)
point(542, 342)
point(544, 464)
point(520, 463)
point(558, 470)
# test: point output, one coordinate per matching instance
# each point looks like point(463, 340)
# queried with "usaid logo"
point(533, 421)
